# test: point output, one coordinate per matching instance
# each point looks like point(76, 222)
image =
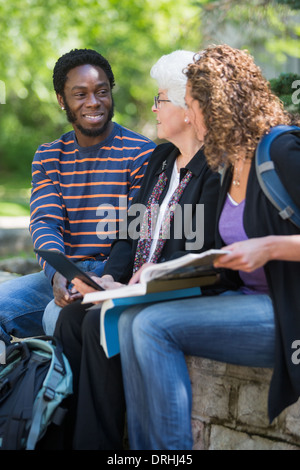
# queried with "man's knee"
point(50, 317)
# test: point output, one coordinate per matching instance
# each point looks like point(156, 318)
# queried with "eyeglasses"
point(157, 101)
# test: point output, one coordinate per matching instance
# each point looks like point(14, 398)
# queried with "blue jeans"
point(233, 328)
point(22, 304)
point(23, 301)
point(52, 310)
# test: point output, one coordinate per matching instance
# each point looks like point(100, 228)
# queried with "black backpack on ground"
point(34, 381)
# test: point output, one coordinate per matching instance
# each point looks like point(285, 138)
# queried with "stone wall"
point(229, 402)
point(16, 250)
point(14, 236)
point(230, 409)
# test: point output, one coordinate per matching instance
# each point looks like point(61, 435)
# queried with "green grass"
point(13, 180)
point(14, 195)
point(19, 254)
point(13, 209)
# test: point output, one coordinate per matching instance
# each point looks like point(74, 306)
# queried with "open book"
point(111, 310)
point(191, 270)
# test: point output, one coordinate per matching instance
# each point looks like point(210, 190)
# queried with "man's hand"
point(62, 296)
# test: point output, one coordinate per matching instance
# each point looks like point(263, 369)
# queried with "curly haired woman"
point(255, 321)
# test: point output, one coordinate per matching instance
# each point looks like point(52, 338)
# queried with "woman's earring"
point(186, 119)
point(62, 108)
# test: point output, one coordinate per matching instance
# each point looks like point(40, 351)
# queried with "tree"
point(132, 34)
point(295, 4)
point(269, 29)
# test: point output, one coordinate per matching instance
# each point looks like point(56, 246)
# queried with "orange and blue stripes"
point(80, 194)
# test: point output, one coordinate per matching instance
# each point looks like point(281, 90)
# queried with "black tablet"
point(66, 267)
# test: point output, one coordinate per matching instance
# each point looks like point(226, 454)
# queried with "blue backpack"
point(268, 178)
point(34, 381)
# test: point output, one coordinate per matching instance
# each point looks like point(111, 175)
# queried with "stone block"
point(14, 240)
point(211, 395)
point(260, 374)
point(252, 404)
point(230, 409)
point(222, 438)
point(292, 419)
point(198, 430)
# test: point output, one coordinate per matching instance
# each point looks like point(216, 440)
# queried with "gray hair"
point(168, 72)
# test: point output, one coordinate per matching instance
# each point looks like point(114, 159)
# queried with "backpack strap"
point(268, 178)
point(53, 378)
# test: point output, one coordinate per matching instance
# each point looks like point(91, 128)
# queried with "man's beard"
point(89, 132)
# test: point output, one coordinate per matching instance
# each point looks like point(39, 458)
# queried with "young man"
point(95, 168)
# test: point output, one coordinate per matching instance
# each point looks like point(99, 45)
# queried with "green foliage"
point(269, 29)
point(295, 4)
point(9, 208)
point(210, 4)
point(287, 88)
point(132, 34)
point(14, 194)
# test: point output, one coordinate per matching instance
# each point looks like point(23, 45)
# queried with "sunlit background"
point(132, 35)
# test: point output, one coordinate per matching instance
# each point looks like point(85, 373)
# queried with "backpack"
point(34, 381)
point(268, 178)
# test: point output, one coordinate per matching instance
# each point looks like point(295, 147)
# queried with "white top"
point(174, 182)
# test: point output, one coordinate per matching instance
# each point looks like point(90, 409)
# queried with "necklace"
point(238, 169)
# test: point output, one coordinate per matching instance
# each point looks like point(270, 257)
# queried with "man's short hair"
point(75, 58)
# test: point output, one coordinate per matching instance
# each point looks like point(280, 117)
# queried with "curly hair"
point(236, 100)
point(75, 58)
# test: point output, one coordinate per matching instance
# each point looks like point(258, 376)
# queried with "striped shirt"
point(80, 194)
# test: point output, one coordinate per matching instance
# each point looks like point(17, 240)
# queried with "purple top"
point(231, 229)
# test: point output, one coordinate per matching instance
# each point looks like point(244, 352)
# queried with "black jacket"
point(203, 188)
point(283, 277)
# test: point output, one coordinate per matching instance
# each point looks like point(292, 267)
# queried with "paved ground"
point(13, 232)
point(14, 222)
point(6, 276)
point(14, 236)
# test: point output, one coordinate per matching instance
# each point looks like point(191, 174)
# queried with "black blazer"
point(261, 219)
point(203, 188)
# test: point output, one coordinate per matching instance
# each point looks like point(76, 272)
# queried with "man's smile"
point(93, 117)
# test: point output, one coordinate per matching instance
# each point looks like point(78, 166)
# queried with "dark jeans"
point(96, 415)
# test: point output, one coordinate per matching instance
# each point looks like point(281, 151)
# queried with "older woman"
point(231, 106)
point(177, 175)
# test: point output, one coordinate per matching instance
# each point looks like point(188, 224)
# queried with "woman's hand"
point(254, 253)
point(136, 277)
point(106, 282)
point(246, 255)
